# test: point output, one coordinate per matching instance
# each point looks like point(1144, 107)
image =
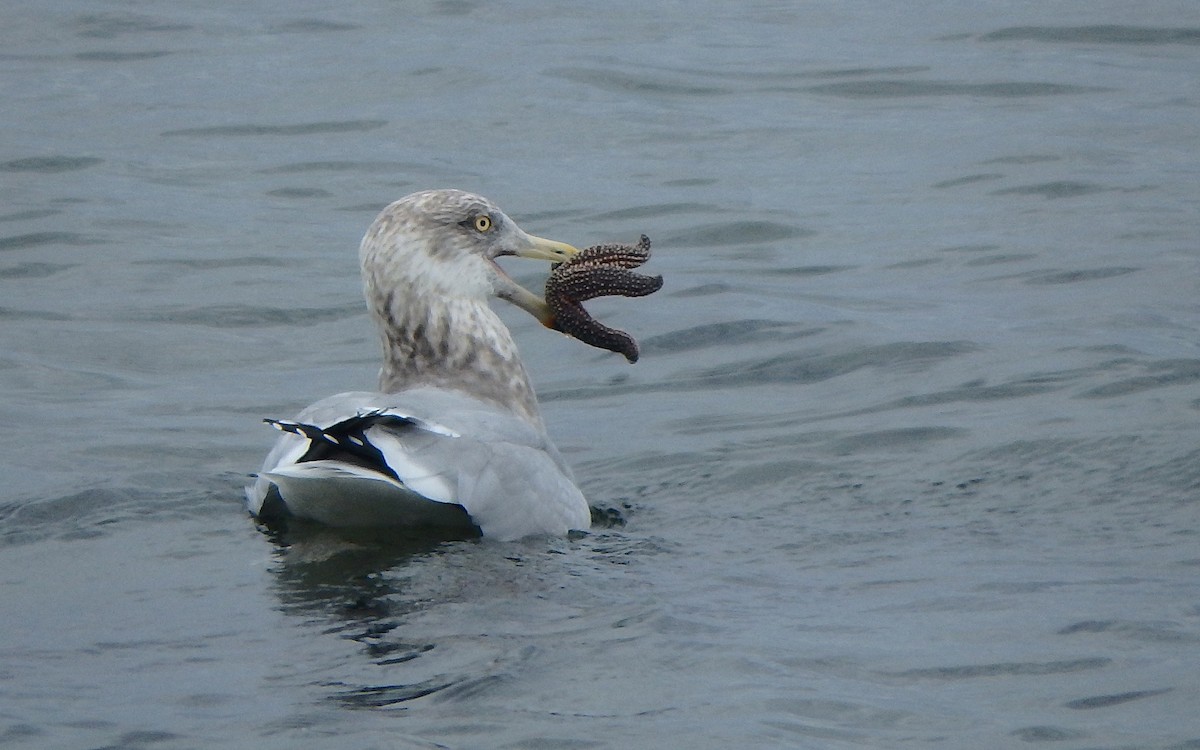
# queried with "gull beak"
point(537, 248)
point(540, 248)
point(526, 300)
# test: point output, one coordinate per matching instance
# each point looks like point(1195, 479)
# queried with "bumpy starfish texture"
point(599, 271)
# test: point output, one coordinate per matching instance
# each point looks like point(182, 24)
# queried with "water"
point(911, 458)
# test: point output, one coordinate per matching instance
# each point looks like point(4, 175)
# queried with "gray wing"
point(437, 447)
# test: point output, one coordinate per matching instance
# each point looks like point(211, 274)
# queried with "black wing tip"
point(311, 432)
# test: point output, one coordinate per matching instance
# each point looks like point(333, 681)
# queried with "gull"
point(453, 439)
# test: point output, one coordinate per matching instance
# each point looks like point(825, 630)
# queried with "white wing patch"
point(403, 456)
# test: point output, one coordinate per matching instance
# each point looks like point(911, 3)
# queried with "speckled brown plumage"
point(599, 271)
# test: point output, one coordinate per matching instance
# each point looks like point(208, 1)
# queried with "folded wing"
point(369, 459)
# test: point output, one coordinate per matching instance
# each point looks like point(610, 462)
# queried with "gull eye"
point(483, 223)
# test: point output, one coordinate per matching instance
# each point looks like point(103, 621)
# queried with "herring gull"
point(453, 438)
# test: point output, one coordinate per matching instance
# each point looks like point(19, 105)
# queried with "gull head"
point(445, 243)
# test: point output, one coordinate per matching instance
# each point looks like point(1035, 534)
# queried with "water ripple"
point(34, 239)
point(805, 367)
point(1152, 632)
point(50, 164)
point(88, 513)
point(306, 128)
point(654, 210)
point(204, 264)
point(11, 313)
point(724, 334)
point(1056, 189)
point(1042, 733)
point(378, 696)
point(112, 25)
point(968, 180)
point(34, 270)
point(1104, 701)
point(635, 83)
point(1054, 277)
point(112, 56)
point(243, 316)
point(299, 193)
point(1082, 274)
point(314, 25)
point(891, 89)
point(738, 233)
point(1007, 669)
point(1162, 374)
point(374, 167)
point(912, 437)
point(1104, 34)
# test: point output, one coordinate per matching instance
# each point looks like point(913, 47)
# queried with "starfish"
point(599, 271)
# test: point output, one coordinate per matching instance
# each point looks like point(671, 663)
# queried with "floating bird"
point(453, 439)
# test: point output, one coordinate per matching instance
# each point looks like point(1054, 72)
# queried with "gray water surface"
point(911, 457)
